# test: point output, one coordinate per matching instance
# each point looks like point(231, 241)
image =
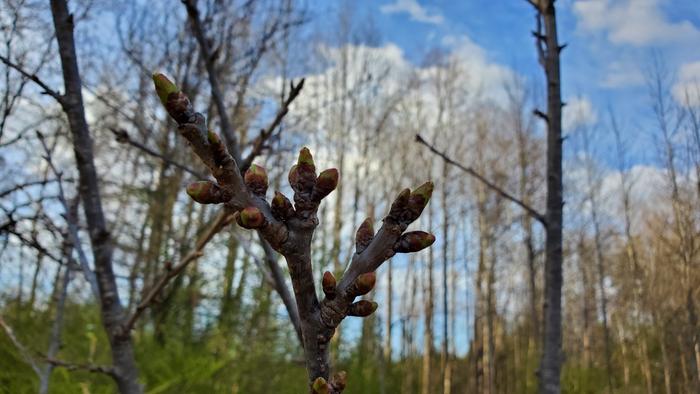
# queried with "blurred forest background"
point(462, 316)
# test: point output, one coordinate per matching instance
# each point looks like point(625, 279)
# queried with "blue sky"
point(611, 46)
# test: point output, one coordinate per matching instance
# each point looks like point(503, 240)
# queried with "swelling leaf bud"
point(282, 208)
point(364, 283)
point(256, 179)
point(328, 283)
point(419, 199)
point(362, 308)
point(414, 241)
point(326, 182)
point(206, 192)
point(364, 235)
point(164, 87)
point(250, 218)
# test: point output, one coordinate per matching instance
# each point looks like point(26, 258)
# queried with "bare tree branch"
point(23, 351)
point(222, 220)
point(123, 137)
point(34, 79)
point(469, 170)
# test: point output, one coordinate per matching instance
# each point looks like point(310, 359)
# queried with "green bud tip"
point(251, 217)
point(213, 138)
point(305, 157)
point(195, 189)
point(425, 191)
point(164, 87)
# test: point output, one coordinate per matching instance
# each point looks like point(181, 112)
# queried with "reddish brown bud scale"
point(362, 308)
point(326, 182)
point(364, 235)
point(398, 207)
point(419, 199)
point(328, 283)
point(250, 218)
point(256, 179)
point(218, 147)
point(302, 176)
point(281, 207)
point(364, 283)
point(414, 241)
point(206, 192)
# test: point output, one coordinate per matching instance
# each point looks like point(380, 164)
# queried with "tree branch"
point(265, 133)
point(469, 170)
point(222, 220)
point(34, 78)
point(105, 369)
point(123, 137)
point(23, 351)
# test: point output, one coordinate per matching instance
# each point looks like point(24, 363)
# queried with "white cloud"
point(635, 22)
point(687, 87)
point(417, 12)
point(622, 74)
point(578, 112)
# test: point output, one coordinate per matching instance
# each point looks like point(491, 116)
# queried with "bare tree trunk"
point(123, 360)
point(549, 51)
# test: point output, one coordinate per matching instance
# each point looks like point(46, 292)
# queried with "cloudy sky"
point(612, 45)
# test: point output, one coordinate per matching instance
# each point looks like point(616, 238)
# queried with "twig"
point(71, 220)
point(469, 170)
point(265, 133)
point(123, 137)
point(221, 221)
point(34, 79)
point(105, 369)
point(23, 351)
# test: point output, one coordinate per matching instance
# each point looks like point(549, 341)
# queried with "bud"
point(398, 207)
point(282, 208)
point(218, 148)
point(305, 159)
point(302, 176)
point(250, 217)
point(413, 242)
point(207, 192)
point(320, 386)
point(364, 235)
point(339, 381)
point(326, 182)
point(328, 283)
point(362, 308)
point(256, 179)
point(419, 199)
point(164, 87)
point(364, 284)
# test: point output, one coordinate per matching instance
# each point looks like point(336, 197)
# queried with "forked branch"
point(288, 228)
